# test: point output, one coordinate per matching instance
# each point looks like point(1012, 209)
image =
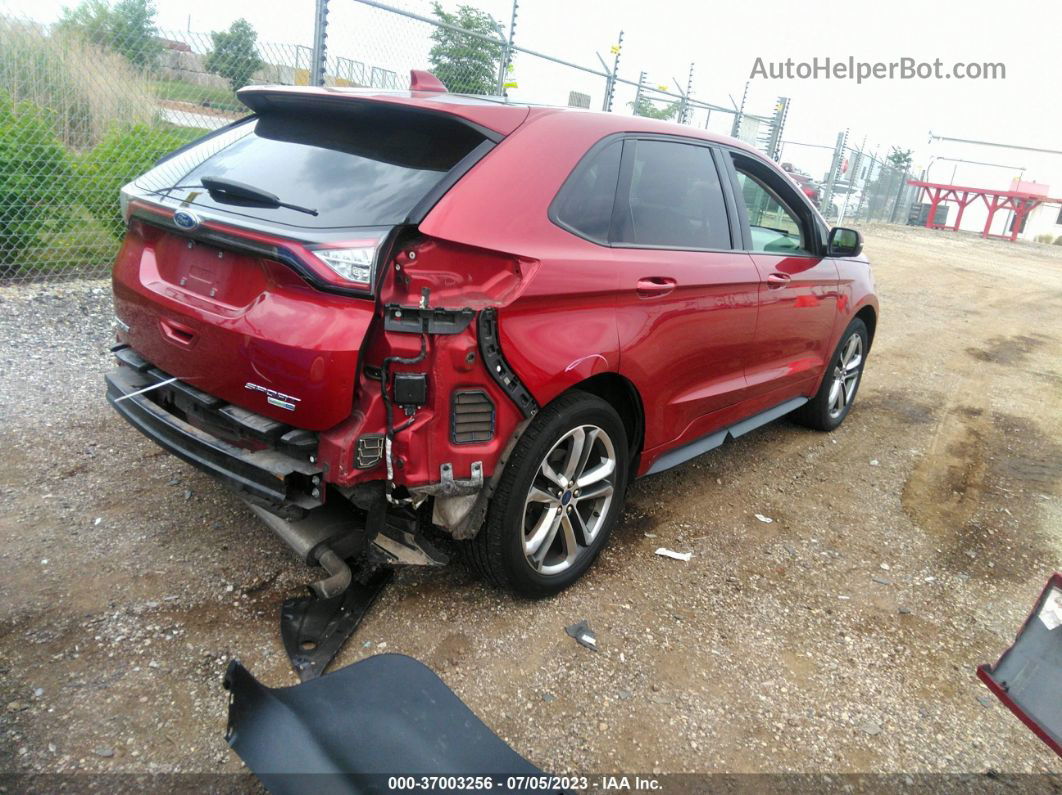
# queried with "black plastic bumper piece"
point(281, 481)
point(499, 369)
point(314, 629)
point(353, 729)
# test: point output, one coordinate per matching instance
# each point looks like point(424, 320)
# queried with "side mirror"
point(844, 242)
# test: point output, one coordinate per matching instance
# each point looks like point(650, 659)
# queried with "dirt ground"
point(905, 549)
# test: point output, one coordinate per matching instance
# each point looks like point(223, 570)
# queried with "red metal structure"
point(1020, 202)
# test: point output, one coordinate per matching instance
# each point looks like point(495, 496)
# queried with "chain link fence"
point(84, 109)
point(90, 101)
point(852, 184)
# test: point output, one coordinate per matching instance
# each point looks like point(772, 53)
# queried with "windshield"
point(366, 167)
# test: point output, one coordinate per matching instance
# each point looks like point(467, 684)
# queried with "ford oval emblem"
point(185, 219)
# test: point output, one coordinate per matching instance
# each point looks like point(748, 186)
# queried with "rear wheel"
point(833, 401)
point(558, 499)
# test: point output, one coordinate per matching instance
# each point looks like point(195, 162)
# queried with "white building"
point(1044, 220)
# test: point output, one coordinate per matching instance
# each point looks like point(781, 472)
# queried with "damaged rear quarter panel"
point(560, 328)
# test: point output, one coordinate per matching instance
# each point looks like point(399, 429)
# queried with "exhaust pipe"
point(339, 571)
point(311, 538)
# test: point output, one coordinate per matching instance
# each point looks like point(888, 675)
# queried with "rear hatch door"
point(266, 305)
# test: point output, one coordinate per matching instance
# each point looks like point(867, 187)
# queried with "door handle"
point(652, 286)
point(775, 280)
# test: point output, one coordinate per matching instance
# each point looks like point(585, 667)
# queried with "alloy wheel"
point(846, 373)
point(569, 499)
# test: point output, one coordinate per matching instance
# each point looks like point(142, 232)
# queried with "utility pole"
point(687, 111)
point(320, 34)
point(638, 95)
point(507, 50)
point(735, 132)
point(610, 81)
point(835, 171)
point(856, 168)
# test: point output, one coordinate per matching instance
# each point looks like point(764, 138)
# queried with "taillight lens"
point(124, 198)
point(351, 262)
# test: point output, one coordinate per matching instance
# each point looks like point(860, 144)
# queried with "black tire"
point(497, 552)
point(821, 412)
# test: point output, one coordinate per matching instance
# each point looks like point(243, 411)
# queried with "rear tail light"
point(124, 198)
point(351, 262)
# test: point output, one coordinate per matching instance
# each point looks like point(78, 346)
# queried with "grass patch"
point(76, 243)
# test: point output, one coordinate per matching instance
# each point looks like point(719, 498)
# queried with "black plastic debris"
point(1028, 677)
point(315, 629)
point(357, 728)
point(583, 634)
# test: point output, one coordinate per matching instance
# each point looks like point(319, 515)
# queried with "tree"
point(645, 107)
point(235, 54)
point(466, 64)
point(900, 159)
point(128, 28)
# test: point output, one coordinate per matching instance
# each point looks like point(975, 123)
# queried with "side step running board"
point(714, 440)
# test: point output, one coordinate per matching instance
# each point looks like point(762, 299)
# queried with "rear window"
point(368, 166)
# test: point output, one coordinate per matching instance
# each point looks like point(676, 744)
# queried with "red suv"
point(385, 316)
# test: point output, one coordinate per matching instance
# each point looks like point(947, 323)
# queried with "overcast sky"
point(724, 40)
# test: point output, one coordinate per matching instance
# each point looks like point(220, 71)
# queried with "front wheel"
point(558, 499)
point(831, 404)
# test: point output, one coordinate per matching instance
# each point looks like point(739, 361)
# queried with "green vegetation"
point(99, 75)
point(900, 159)
point(124, 153)
point(644, 107)
point(209, 96)
point(87, 89)
point(235, 54)
point(59, 208)
point(465, 64)
point(127, 28)
point(29, 149)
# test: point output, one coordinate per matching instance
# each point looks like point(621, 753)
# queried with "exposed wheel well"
point(867, 315)
point(623, 396)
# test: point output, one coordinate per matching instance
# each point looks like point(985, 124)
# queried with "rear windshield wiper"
point(227, 190)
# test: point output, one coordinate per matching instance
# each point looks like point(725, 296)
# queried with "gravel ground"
point(905, 549)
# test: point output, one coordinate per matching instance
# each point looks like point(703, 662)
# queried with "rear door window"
point(364, 167)
point(675, 199)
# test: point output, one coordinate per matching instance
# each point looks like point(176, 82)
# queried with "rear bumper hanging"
point(283, 481)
